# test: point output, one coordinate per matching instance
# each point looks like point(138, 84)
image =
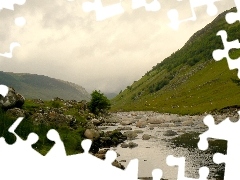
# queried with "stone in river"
point(132, 145)
point(146, 137)
point(170, 133)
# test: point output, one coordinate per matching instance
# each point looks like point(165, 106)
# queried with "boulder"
point(187, 123)
point(138, 131)
point(125, 128)
point(155, 120)
point(126, 122)
point(141, 124)
point(132, 145)
point(130, 134)
point(16, 112)
point(118, 164)
point(96, 122)
point(111, 138)
point(124, 145)
point(91, 134)
point(11, 100)
point(170, 133)
point(146, 137)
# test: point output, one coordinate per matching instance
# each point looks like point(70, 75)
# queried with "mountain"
point(189, 81)
point(33, 86)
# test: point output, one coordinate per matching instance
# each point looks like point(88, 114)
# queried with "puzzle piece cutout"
point(19, 21)
point(153, 6)
point(18, 156)
point(232, 17)
point(3, 90)
point(157, 174)
point(219, 54)
point(58, 149)
point(9, 4)
point(174, 15)
point(10, 54)
point(226, 130)
point(102, 12)
point(180, 162)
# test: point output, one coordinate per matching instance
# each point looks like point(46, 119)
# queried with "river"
point(152, 153)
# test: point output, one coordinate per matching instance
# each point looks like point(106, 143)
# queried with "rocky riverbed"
point(148, 139)
point(148, 136)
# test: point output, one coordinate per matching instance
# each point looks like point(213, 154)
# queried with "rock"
point(38, 101)
point(141, 124)
point(111, 138)
point(38, 118)
point(100, 156)
point(124, 145)
point(130, 135)
point(132, 145)
point(153, 125)
point(178, 123)
point(16, 112)
point(118, 165)
point(146, 137)
point(96, 122)
point(105, 138)
point(187, 123)
point(102, 128)
point(111, 120)
point(12, 100)
point(138, 131)
point(126, 122)
point(91, 134)
point(125, 128)
point(164, 125)
point(151, 128)
point(155, 121)
point(170, 133)
point(102, 151)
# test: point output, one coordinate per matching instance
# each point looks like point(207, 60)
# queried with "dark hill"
point(33, 86)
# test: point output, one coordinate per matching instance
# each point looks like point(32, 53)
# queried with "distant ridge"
point(33, 86)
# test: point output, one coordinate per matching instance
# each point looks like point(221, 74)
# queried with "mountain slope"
point(189, 81)
point(33, 86)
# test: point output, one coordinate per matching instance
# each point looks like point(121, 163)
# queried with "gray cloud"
point(61, 41)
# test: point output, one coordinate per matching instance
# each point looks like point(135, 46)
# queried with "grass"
point(208, 89)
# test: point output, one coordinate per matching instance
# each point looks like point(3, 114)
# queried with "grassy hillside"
point(189, 81)
point(34, 86)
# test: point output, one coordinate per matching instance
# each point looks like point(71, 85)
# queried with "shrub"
point(99, 103)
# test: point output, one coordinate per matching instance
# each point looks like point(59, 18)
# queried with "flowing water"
point(152, 153)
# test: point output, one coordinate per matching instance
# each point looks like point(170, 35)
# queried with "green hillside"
point(189, 81)
point(33, 86)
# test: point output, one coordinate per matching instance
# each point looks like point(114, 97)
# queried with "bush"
point(99, 103)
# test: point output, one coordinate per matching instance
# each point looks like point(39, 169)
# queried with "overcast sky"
point(62, 41)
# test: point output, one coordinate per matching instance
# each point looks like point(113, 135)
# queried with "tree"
point(99, 103)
